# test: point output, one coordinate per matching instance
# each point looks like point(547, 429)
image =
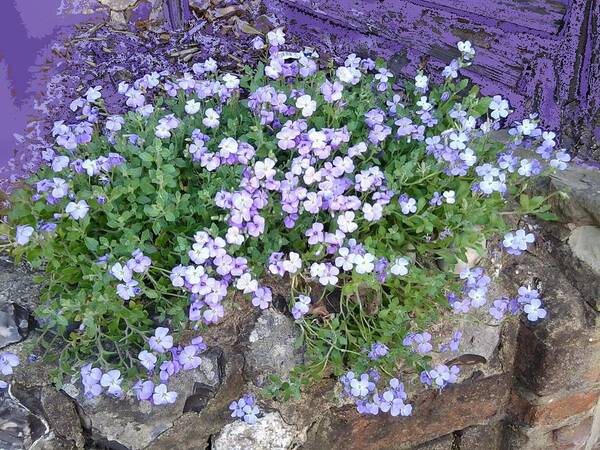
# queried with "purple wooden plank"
point(541, 15)
point(538, 66)
point(422, 35)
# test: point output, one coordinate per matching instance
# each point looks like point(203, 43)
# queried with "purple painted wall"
point(541, 54)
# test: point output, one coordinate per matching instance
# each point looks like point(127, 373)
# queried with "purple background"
point(27, 29)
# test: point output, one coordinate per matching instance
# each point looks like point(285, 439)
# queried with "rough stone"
point(135, 424)
point(579, 273)
point(271, 347)
point(442, 443)
point(119, 5)
point(14, 324)
point(19, 428)
point(269, 433)
point(17, 286)
point(573, 436)
point(562, 352)
point(585, 243)
point(483, 437)
point(583, 187)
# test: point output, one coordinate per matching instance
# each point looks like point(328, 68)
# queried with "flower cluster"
point(128, 288)
point(440, 376)
point(95, 382)
point(370, 400)
point(245, 409)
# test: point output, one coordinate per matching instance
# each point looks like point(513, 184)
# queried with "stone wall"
point(522, 386)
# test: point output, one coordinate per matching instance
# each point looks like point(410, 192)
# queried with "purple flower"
point(516, 243)
point(8, 360)
point(262, 297)
point(143, 389)
point(534, 310)
point(378, 350)
point(162, 396)
point(443, 375)
point(188, 358)
point(128, 290)
point(301, 307)
point(139, 263)
point(90, 378)
point(423, 342)
point(23, 234)
point(161, 341)
point(245, 408)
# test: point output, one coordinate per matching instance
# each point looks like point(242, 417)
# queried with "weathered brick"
point(573, 436)
point(553, 412)
point(473, 402)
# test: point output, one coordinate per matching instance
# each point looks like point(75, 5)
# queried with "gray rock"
point(583, 187)
point(268, 433)
point(119, 5)
point(585, 244)
point(19, 428)
point(14, 324)
point(133, 424)
point(271, 347)
point(17, 286)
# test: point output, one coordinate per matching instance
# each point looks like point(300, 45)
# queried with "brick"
point(573, 436)
point(552, 413)
point(473, 402)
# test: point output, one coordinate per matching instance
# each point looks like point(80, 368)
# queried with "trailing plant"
point(354, 187)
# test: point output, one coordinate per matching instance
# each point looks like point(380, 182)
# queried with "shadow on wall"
point(27, 28)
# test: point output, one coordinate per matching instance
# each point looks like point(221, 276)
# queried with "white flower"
point(293, 264)
point(93, 93)
point(345, 74)
point(449, 196)
point(246, 284)
point(234, 236)
point(346, 222)
point(468, 52)
point(264, 169)
point(276, 37)
point(317, 270)
point(90, 166)
point(162, 131)
point(500, 108)
point(468, 156)
point(307, 105)
point(231, 81)
point(364, 263)
point(77, 210)
point(228, 146)
point(192, 107)
point(194, 274)
point(400, 266)
point(317, 138)
point(211, 118)
point(345, 260)
point(421, 81)
point(274, 69)
point(24, 233)
point(372, 213)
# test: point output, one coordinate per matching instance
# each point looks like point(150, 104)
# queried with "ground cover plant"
point(359, 191)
